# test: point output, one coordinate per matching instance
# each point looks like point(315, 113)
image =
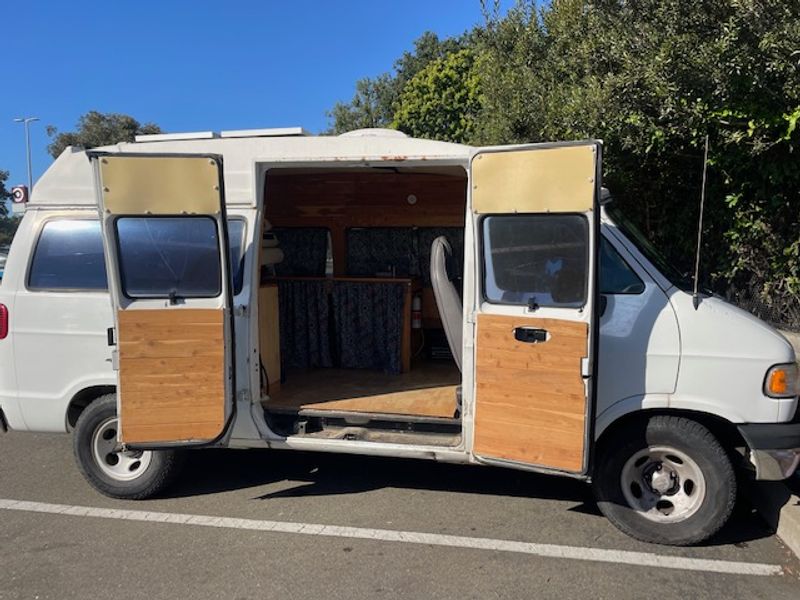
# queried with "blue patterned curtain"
point(305, 250)
point(369, 325)
point(305, 324)
point(377, 249)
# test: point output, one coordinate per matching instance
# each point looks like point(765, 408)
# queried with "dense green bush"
point(8, 224)
point(442, 101)
point(651, 78)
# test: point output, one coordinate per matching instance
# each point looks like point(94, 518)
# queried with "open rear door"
point(535, 210)
point(165, 237)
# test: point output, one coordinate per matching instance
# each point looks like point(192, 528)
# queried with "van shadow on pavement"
point(322, 474)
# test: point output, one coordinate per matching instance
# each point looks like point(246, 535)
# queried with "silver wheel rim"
point(122, 466)
point(663, 484)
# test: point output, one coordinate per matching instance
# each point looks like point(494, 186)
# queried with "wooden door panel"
point(172, 374)
point(530, 403)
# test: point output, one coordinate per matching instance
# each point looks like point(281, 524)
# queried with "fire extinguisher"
point(416, 312)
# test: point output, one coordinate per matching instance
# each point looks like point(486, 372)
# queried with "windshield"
point(646, 247)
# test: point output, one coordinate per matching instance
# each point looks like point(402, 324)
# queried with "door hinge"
point(115, 359)
point(471, 317)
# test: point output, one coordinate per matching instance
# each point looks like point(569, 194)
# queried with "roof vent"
point(269, 132)
point(171, 137)
point(374, 132)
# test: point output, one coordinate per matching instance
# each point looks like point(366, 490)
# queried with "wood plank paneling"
point(365, 199)
point(428, 389)
point(339, 200)
point(530, 401)
point(269, 333)
point(432, 402)
point(172, 374)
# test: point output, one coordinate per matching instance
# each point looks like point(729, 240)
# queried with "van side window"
point(616, 276)
point(161, 257)
point(536, 258)
point(236, 229)
point(69, 256)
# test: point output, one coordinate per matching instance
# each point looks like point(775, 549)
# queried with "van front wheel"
point(665, 480)
point(132, 475)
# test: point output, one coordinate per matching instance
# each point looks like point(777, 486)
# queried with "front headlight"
point(782, 381)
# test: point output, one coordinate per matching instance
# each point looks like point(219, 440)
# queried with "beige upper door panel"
point(160, 185)
point(535, 179)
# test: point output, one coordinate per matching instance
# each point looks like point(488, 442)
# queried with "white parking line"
point(623, 557)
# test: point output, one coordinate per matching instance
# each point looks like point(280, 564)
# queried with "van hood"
point(718, 328)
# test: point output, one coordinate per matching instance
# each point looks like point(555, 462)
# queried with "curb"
point(779, 505)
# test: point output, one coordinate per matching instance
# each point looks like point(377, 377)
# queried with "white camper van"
point(376, 294)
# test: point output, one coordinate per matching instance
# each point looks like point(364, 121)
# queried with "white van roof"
point(68, 181)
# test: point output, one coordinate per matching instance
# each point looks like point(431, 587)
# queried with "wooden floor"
point(427, 390)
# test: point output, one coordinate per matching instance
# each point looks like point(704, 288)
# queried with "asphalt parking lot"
point(266, 524)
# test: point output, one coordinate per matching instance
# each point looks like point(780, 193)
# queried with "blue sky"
point(199, 65)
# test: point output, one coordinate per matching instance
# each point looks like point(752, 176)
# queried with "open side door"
point(536, 217)
point(166, 244)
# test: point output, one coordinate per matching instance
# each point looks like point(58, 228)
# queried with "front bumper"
point(774, 448)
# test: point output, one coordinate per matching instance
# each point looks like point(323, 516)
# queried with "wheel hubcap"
point(122, 466)
point(663, 484)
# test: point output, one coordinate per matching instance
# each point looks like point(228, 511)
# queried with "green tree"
point(8, 224)
point(652, 78)
point(375, 100)
point(371, 106)
point(98, 129)
point(442, 101)
point(5, 195)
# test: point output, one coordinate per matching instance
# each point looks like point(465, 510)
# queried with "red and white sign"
point(19, 194)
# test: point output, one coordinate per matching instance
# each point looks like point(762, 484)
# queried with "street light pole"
point(25, 121)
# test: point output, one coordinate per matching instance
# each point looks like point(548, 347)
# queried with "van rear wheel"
point(667, 480)
point(132, 475)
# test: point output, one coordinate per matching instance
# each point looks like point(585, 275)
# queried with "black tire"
point(712, 509)
point(157, 475)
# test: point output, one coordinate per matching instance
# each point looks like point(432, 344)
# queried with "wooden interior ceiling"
point(375, 197)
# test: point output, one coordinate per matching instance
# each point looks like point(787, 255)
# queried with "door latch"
point(530, 335)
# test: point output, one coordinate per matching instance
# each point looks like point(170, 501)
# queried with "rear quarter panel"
point(58, 339)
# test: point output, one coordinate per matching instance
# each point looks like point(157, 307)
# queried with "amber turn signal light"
point(781, 381)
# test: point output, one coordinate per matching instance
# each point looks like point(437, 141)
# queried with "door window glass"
point(69, 256)
point(616, 276)
point(169, 256)
point(539, 259)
